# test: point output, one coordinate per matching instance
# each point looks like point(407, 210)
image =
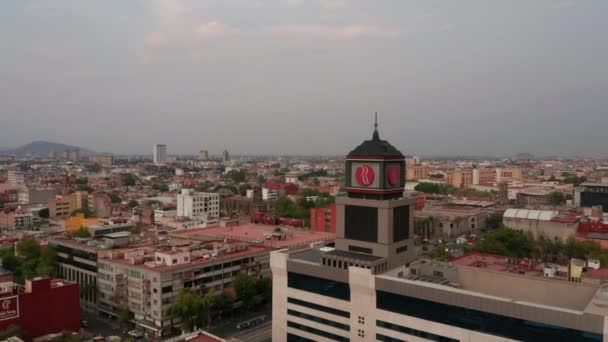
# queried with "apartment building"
point(102, 160)
point(361, 290)
point(15, 179)
point(192, 204)
point(63, 205)
point(147, 281)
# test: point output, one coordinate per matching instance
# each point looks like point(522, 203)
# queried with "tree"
point(556, 198)
point(44, 213)
point(441, 252)
point(245, 288)
point(81, 233)
point(261, 180)
point(263, 287)
point(28, 248)
point(493, 221)
point(236, 176)
point(188, 309)
point(129, 179)
point(435, 188)
point(132, 204)
point(84, 210)
point(11, 331)
point(46, 264)
point(505, 241)
point(115, 199)
point(124, 316)
point(10, 261)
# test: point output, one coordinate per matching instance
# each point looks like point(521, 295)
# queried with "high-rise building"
point(203, 155)
point(225, 156)
point(368, 286)
point(160, 154)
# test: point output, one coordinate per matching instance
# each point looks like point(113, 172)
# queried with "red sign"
point(394, 175)
point(9, 308)
point(365, 175)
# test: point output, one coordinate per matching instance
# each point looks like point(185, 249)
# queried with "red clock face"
point(394, 175)
point(365, 175)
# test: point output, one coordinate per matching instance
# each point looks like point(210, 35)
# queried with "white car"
point(136, 333)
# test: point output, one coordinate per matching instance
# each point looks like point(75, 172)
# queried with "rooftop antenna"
point(376, 135)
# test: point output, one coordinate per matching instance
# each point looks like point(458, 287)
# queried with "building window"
point(361, 333)
point(324, 287)
point(414, 332)
point(484, 322)
point(318, 307)
point(401, 249)
point(361, 320)
point(318, 320)
point(360, 249)
point(317, 332)
point(296, 338)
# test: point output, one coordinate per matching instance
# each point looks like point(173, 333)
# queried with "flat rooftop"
point(497, 262)
point(256, 232)
point(193, 262)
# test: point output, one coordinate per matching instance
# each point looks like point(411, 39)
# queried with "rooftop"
point(193, 262)
point(256, 232)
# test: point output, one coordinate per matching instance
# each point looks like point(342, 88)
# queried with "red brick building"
point(323, 219)
point(42, 307)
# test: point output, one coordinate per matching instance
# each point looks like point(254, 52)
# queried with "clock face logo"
point(365, 175)
point(394, 175)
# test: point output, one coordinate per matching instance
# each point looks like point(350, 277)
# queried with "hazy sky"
point(305, 76)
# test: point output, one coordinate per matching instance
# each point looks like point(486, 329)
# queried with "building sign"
point(9, 308)
point(364, 175)
point(394, 175)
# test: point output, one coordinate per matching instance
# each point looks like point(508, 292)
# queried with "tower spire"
point(376, 136)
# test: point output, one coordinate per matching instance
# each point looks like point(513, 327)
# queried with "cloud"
point(215, 30)
point(326, 4)
point(564, 4)
point(212, 30)
point(332, 33)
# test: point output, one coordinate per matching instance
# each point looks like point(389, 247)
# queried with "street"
point(261, 333)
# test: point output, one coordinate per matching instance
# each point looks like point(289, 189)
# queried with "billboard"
point(9, 308)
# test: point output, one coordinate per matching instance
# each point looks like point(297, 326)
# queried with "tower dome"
point(375, 169)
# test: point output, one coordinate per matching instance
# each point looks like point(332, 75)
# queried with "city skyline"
point(278, 77)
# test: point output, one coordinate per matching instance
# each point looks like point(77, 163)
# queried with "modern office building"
point(160, 154)
point(225, 157)
point(592, 194)
point(360, 289)
point(192, 204)
point(77, 262)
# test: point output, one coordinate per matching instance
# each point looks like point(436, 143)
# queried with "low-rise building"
point(42, 307)
point(548, 223)
point(449, 221)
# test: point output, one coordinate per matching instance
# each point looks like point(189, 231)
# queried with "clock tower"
point(375, 220)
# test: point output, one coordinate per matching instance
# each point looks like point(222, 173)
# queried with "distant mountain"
point(43, 148)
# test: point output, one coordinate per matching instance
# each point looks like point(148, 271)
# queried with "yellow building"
point(63, 206)
point(75, 223)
